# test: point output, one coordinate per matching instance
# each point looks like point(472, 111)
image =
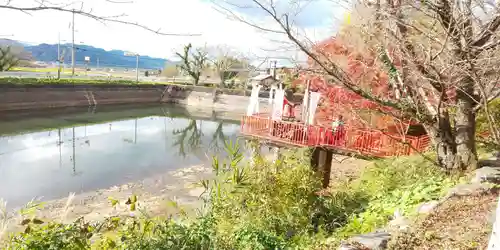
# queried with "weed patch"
point(394, 186)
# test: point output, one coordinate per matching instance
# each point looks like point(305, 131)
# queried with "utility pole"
point(73, 45)
point(135, 134)
point(137, 68)
point(58, 47)
point(58, 56)
point(136, 64)
point(274, 68)
point(74, 152)
point(59, 142)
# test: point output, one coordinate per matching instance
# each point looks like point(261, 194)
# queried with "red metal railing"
point(363, 141)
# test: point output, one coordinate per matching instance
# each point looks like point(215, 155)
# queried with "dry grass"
point(347, 168)
point(344, 169)
point(460, 223)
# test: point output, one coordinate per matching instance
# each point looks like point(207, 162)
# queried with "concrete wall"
point(26, 97)
point(225, 102)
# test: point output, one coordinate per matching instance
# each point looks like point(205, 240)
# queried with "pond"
point(50, 155)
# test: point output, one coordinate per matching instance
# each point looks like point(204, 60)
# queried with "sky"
point(317, 19)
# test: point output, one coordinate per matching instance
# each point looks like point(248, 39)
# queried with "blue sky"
point(317, 18)
point(308, 13)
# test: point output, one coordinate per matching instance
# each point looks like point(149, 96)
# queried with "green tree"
point(193, 62)
point(227, 64)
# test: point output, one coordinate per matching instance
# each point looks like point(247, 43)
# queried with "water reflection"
point(218, 138)
point(190, 135)
point(87, 157)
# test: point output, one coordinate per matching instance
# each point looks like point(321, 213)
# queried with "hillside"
point(17, 48)
point(113, 58)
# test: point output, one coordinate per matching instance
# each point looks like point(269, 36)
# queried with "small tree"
point(7, 59)
point(226, 64)
point(170, 71)
point(193, 63)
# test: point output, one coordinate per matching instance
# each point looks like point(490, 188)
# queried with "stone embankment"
point(25, 97)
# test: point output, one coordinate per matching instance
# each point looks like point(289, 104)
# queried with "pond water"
point(49, 156)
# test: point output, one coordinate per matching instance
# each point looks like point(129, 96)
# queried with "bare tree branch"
point(89, 14)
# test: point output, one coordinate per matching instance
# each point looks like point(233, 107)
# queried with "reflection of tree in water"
point(189, 139)
point(218, 138)
point(191, 135)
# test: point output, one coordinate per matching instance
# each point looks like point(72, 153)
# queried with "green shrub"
point(148, 234)
point(53, 236)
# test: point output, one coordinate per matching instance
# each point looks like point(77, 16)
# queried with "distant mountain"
point(17, 48)
point(114, 58)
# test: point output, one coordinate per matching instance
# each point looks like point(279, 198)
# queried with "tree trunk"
point(465, 128)
point(443, 140)
point(222, 83)
point(455, 147)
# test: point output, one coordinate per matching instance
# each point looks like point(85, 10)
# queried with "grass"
point(54, 82)
point(38, 70)
point(47, 81)
point(264, 207)
point(395, 185)
point(78, 72)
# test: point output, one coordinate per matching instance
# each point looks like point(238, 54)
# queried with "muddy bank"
point(29, 97)
point(154, 196)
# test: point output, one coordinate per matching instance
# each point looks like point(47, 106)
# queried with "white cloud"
point(186, 16)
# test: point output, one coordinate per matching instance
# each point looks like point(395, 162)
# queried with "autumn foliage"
point(363, 70)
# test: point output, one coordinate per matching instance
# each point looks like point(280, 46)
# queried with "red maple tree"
point(361, 67)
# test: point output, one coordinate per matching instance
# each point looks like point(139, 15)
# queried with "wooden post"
point(326, 168)
point(254, 153)
point(321, 162)
point(315, 159)
point(276, 154)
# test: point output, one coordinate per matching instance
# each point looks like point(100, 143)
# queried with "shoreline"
point(153, 194)
point(155, 197)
